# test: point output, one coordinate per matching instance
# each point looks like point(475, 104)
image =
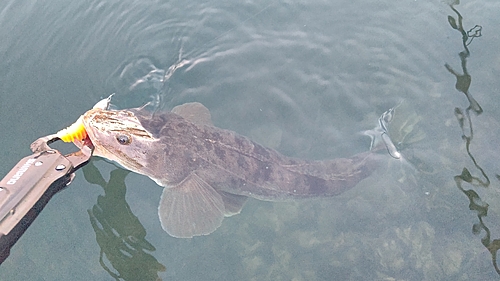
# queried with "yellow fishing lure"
point(77, 132)
point(74, 132)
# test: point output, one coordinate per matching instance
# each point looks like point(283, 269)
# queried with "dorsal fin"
point(194, 112)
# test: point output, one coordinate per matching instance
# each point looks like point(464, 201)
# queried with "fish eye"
point(123, 139)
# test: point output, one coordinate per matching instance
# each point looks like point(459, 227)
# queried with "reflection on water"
point(464, 119)
point(119, 232)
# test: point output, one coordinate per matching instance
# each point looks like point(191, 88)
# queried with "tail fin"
point(380, 134)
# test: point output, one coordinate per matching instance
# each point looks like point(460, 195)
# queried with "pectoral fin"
point(191, 208)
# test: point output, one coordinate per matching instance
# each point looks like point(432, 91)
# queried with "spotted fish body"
point(207, 172)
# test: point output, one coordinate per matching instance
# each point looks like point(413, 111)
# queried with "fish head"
point(118, 135)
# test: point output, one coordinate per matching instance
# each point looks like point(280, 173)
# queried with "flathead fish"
point(207, 172)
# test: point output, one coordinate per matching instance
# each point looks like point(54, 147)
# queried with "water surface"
point(305, 77)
